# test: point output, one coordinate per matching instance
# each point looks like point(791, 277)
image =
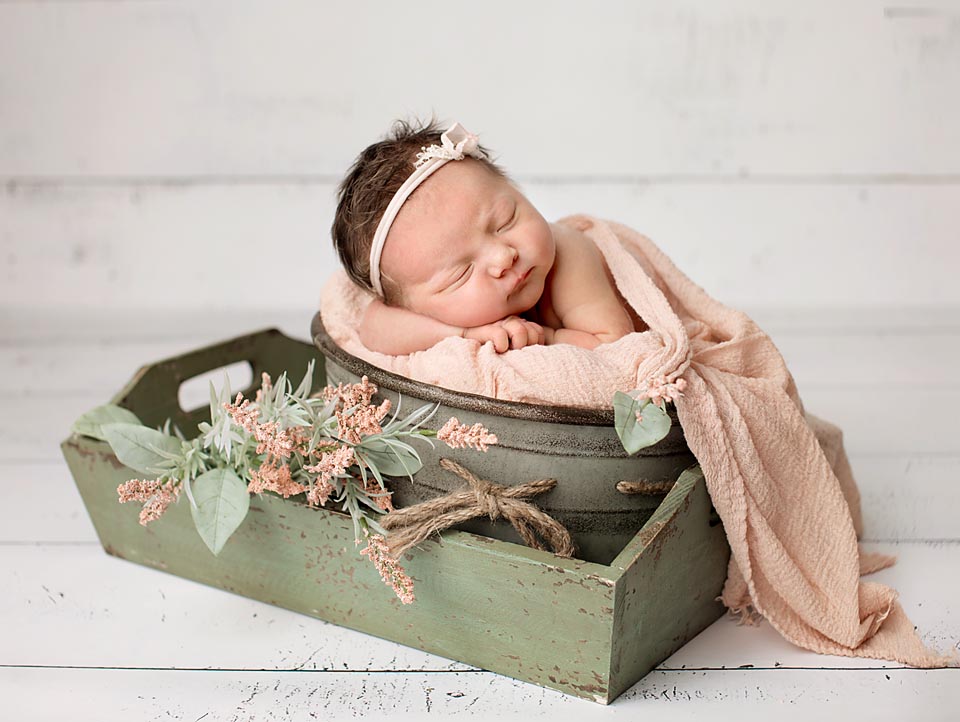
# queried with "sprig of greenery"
point(640, 416)
point(639, 422)
point(216, 467)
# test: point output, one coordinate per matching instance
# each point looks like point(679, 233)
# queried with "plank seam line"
point(14, 182)
point(743, 668)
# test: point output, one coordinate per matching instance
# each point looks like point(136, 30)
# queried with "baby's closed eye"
point(459, 276)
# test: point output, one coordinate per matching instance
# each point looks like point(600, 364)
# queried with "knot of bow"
point(456, 142)
point(411, 525)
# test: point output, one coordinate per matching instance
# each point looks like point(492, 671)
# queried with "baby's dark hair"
point(366, 190)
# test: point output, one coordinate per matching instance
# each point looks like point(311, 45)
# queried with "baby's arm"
point(398, 331)
point(571, 336)
point(583, 299)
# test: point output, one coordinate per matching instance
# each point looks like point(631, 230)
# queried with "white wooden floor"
point(86, 636)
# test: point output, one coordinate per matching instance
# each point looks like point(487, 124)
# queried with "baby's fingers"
point(534, 333)
point(501, 340)
point(518, 335)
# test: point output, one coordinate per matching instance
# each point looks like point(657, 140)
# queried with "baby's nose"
point(506, 257)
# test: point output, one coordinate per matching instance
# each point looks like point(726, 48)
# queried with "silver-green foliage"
point(219, 503)
point(91, 423)
point(214, 467)
point(636, 435)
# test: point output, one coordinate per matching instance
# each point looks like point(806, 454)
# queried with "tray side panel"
point(666, 596)
point(476, 602)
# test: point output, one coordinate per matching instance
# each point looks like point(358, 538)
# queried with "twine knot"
point(413, 524)
point(487, 496)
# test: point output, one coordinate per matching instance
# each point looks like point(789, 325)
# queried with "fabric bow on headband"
point(456, 143)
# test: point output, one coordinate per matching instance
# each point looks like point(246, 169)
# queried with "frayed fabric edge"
point(745, 614)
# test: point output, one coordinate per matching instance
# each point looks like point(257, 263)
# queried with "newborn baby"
point(451, 247)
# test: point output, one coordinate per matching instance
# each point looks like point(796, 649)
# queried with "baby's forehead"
point(450, 220)
point(430, 232)
point(459, 188)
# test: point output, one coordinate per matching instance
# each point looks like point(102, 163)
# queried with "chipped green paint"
point(586, 629)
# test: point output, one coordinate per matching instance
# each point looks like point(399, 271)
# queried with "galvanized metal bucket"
point(577, 447)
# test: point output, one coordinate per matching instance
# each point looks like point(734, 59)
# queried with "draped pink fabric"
point(778, 477)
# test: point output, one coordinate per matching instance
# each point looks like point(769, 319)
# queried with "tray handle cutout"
point(194, 393)
point(154, 393)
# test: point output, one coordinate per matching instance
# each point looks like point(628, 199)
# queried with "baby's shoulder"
point(581, 272)
point(577, 254)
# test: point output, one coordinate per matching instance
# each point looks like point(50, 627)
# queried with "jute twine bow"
point(413, 524)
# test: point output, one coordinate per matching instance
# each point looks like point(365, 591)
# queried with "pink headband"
point(457, 143)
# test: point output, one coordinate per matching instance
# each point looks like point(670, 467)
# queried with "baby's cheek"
point(475, 310)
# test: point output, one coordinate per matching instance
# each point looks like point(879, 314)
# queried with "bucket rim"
point(476, 403)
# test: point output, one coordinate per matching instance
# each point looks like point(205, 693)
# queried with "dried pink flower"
point(275, 441)
point(390, 570)
point(276, 478)
point(457, 435)
point(301, 436)
point(332, 463)
point(379, 495)
point(137, 490)
point(266, 386)
point(351, 394)
point(243, 415)
point(320, 492)
point(278, 443)
point(157, 497)
point(364, 421)
point(658, 388)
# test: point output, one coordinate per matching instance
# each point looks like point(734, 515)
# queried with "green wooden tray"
point(586, 629)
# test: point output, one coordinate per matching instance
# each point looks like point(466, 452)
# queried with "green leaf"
point(214, 403)
point(141, 448)
point(392, 459)
point(222, 503)
point(186, 488)
point(280, 388)
point(90, 424)
point(367, 500)
point(372, 523)
point(306, 384)
point(635, 436)
point(377, 475)
point(420, 416)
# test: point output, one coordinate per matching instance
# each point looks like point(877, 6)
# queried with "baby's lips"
point(522, 278)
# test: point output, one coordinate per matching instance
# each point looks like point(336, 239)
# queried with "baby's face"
point(461, 244)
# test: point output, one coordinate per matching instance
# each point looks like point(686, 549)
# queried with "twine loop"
point(411, 525)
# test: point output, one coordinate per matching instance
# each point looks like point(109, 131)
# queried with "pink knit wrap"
point(778, 477)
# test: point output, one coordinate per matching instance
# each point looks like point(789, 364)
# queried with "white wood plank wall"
point(167, 179)
point(785, 154)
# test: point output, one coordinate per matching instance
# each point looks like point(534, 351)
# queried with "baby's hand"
point(511, 332)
